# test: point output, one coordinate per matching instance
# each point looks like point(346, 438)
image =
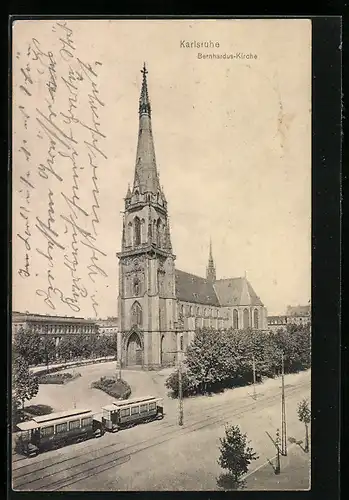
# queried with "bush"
point(57, 378)
point(38, 410)
point(172, 384)
point(117, 388)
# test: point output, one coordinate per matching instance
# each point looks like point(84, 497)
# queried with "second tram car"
point(128, 413)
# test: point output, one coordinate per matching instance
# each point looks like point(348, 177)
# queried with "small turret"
point(210, 270)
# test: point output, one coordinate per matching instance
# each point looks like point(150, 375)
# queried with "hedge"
point(118, 388)
point(57, 378)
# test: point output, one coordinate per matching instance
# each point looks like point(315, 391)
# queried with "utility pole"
point(180, 391)
point(254, 377)
point(283, 410)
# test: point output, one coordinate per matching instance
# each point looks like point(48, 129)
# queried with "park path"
point(79, 393)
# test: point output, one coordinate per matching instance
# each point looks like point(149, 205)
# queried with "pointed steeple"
point(210, 270)
point(144, 103)
point(128, 194)
point(146, 176)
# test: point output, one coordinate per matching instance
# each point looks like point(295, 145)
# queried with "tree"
point(206, 358)
point(25, 385)
point(304, 415)
point(47, 349)
point(236, 454)
point(27, 344)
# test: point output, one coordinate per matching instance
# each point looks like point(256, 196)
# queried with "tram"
point(57, 429)
point(124, 414)
point(73, 426)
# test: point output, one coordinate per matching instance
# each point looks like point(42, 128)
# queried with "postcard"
point(161, 300)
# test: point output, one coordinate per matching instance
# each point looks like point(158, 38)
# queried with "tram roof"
point(62, 414)
point(132, 401)
point(26, 426)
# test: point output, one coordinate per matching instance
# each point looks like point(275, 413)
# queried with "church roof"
point(236, 292)
point(192, 288)
point(225, 292)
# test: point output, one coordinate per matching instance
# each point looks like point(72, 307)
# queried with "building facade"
point(159, 306)
point(295, 315)
point(108, 326)
point(56, 326)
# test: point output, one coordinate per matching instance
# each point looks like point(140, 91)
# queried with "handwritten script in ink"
point(59, 142)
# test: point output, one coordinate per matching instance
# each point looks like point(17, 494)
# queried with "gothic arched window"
point(136, 314)
point(129, 234)
point(246, 319)
point(136, 286)
point(235, 320)
point(198, 311)
point(158, 232)
point(191, 311)
point(255, 319)
point(136, 196)
point(137, 231)
point(143, 231)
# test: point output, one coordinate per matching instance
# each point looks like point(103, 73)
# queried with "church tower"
point(211, 270)
point(147, 302)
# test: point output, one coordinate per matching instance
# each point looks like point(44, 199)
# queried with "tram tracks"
point(61, 476)
point(163, 424)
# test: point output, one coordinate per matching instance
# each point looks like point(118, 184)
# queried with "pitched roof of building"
point(225, 292)
point(236, 292)
point(192, 288)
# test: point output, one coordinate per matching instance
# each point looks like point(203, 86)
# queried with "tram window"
point(47, 431)
point(135, 410)
point(86, 421)
point(152, 406)
point(125, 412)
point(61, 427)
point(143, 408)
point(74, 424)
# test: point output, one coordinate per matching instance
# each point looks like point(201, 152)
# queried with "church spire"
point(211, 270)
point(146, 178)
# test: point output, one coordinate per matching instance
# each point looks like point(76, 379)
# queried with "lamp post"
point(254, 377)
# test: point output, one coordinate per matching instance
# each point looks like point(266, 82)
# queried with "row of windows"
point(138, 233)
point(60, 328)
point(247, 320)
point(200, 311)
point(66, 328)
point(64, 426)
point(135, 410)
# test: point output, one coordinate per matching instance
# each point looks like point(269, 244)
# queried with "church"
point(159, 306)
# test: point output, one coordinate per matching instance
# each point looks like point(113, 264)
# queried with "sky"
point(232, 140)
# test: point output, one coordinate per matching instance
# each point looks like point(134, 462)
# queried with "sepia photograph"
point(161, 255)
